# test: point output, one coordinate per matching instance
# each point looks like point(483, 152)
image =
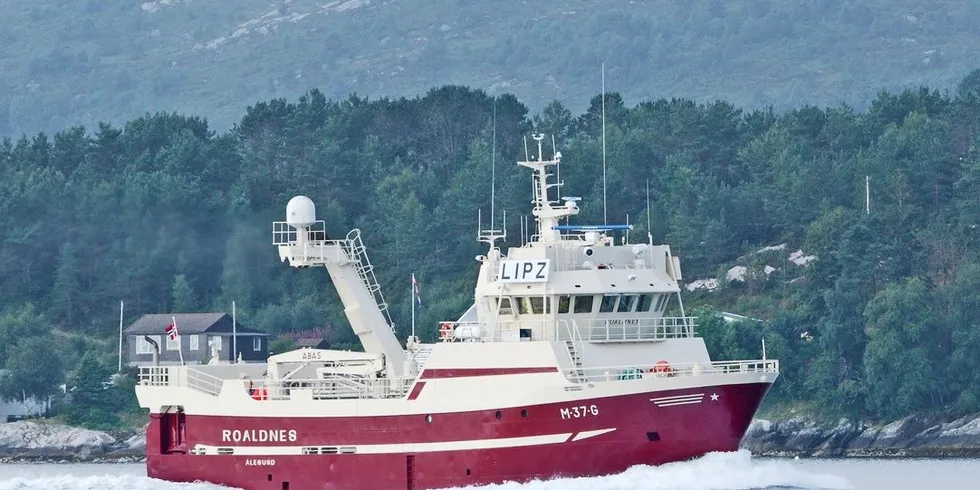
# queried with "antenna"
point(493, 164)
point(527, 229)
point(867, 194)
point(554, 154)
point(649, 228)
point(604, 221)
point(527, 157)
point(522, 230)
point(628, 228)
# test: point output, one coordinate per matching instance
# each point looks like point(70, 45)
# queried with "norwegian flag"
point(171, 330)
point(415, 290)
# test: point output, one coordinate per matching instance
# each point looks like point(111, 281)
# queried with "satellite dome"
point(300, 212)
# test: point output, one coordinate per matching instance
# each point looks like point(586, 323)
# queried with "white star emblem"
point(714, 397)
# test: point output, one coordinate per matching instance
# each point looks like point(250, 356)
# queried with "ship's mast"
point(545, 213)
point(302, 241)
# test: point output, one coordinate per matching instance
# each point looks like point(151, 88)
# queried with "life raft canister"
point(446, 331)
point(661, 366)
point(260, 394)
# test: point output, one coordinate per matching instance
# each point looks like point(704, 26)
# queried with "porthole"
point(499, 415)
point(524, 413)
point(428, 419)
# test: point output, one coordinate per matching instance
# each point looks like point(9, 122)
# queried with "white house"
point(18, 409)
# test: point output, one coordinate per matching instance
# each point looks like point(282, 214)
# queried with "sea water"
point(720, 471)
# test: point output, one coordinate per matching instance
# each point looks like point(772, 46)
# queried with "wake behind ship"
point(565, 365)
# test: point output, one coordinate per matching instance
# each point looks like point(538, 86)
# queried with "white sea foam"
point(715, 471)
point(87, 477)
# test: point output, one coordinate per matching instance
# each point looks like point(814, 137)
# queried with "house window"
point(144, 347)
point(173, 344)
point(256, 343)
point(215, 341)
point(194, 342)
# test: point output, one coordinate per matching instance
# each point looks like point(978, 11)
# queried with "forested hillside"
point(82, 62)
point(168, 215)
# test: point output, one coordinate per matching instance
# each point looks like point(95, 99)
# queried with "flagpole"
point(119, 369)
point(234, 334)
point(180, 350)
point(413, 305)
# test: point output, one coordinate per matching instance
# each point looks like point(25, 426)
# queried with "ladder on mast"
point(358, 254)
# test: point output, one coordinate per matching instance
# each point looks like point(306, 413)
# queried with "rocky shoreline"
point(914, 436)
point(28, 441)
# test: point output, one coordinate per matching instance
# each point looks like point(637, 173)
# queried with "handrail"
point(170, 376)
point(314, 247)
point(605, 330)
point(624, 373)
point(639, 329)
point(332, 387)
point(204, 382)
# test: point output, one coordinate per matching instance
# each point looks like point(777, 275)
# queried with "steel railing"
point(333, 387)
point(180, 376)
point(638, 329)
point(625, 373)
point(608, 330)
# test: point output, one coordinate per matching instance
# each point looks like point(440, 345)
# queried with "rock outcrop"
point(26, 440)
point(916, 435)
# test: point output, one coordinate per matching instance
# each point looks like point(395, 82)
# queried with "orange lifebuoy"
point(661, 366)
point(445, 331)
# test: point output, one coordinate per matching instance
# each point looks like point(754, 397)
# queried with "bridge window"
point(626, 303)
point(522, 307)
point(646, 300)
point(662, 302)
point(564, 304)
point(539, 304)
point(608, 303)
point(583, 304)
point(505, 307)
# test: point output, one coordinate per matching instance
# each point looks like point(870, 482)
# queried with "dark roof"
point(307, 342)
point(189, 323)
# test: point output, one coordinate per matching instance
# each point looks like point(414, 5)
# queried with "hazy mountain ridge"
point(68, 63)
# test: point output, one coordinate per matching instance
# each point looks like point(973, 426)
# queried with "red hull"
point(645, 433)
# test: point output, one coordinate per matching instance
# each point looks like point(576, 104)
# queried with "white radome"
point(300, 212)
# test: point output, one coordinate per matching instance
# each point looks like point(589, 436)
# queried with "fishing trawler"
point(566, 365)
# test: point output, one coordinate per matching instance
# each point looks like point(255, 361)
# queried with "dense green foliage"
point(166, 214)
point(70, 63)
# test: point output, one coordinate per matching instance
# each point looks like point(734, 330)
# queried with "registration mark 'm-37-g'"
point(579, 411)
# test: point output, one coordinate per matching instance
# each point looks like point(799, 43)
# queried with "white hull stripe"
point(678, 397)
point(421, 447)
point(672, 401)
point(587, 434)
point(674, 404)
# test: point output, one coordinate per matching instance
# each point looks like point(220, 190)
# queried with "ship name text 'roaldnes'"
point(258, 435)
